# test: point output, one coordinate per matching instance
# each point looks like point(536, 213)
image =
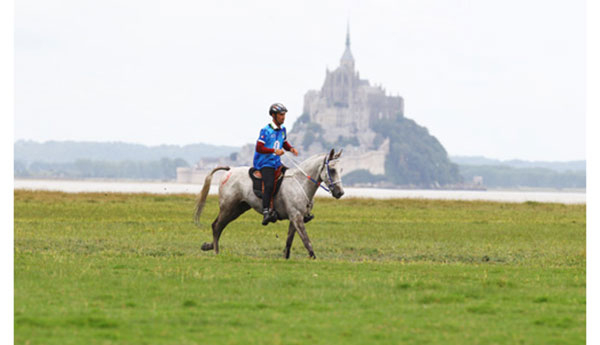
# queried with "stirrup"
point(269, 216)
point(273, 216)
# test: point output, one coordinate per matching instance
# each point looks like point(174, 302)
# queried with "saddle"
point(257, 181)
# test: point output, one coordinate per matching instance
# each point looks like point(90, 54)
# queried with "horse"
point(294, 200)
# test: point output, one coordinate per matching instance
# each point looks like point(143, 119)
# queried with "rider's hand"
point(294, 151)
point(279, 152)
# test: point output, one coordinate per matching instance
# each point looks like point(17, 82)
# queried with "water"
point(70, 186)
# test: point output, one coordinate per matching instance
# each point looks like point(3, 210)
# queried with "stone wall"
point(373, 161)
point(197, 176)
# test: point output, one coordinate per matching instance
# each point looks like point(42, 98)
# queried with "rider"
point(272, 138)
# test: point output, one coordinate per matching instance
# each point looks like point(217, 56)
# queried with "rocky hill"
point(380, 144)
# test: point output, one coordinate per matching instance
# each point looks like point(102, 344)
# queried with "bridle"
point(330, 183)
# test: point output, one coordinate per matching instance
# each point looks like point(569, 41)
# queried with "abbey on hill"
point(379, 143)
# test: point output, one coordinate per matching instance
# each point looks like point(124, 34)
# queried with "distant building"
point(198, 172)
point(344, 109)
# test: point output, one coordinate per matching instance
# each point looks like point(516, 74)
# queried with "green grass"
point(127, 269)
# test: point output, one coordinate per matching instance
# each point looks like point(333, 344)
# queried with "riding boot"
point(268, 186)
point(266, 216)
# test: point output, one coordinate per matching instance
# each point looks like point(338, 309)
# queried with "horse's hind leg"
point(226, 215)
point(290, 239)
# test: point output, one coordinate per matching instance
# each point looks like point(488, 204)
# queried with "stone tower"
point(340, 84)
point(343, 110)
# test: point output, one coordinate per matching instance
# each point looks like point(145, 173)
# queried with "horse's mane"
point(305, 164)
point(310, 161)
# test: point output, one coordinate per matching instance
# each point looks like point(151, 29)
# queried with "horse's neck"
point(312, 167)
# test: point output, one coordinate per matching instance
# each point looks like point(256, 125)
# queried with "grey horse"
point(294, 200)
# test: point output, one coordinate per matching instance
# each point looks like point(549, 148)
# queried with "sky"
point(500, 79)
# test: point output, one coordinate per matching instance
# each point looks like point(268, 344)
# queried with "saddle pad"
point(257, 183)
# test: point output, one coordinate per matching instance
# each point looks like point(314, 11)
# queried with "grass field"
point(127, 269)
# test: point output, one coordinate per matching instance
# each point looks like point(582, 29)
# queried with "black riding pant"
point(268, 176)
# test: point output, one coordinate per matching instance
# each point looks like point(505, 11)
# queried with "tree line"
point(163, 169)
point(507, 177)
point(493, 177)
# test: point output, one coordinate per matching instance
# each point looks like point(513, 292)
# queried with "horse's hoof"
point(206, 246)
point(312, 255)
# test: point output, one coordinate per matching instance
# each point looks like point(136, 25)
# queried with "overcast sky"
point(502, 79)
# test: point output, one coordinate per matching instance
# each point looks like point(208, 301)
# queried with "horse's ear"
point(331, 153)
point(337, 155)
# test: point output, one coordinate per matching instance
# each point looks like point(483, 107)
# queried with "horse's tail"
point(201, 200)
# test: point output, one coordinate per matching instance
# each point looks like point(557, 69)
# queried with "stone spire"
point(347, 59)
point(348, 35)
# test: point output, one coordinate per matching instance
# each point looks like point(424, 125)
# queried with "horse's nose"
point(339, 194)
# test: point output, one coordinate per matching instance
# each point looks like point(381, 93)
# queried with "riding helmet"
point(277, 108)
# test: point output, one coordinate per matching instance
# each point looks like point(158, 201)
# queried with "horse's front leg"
point(298, 223)
point(290, 239)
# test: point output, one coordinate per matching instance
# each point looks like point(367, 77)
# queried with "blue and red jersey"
point(270, 139)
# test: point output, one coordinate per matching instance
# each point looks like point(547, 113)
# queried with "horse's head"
point(330, 174)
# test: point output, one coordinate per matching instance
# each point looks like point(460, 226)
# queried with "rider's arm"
point(287, 146)
point(260, 148)
point(260, 143)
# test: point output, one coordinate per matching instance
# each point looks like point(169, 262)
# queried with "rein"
point(331, 183)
